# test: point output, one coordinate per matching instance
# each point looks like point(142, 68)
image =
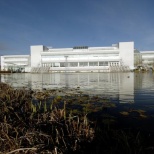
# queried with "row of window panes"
point(114, 63)
point(81, 64)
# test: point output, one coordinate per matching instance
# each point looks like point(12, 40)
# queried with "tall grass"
point(46, 127)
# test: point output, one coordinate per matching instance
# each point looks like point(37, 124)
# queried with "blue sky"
point(69, 23)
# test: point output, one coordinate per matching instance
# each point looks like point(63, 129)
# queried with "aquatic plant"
point(25, 128)
point(139, 113)
point(56, 124)
point(124, 113)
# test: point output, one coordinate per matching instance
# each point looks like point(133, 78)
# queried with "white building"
point(15, 62)
point(147, 58)
point(118, 57)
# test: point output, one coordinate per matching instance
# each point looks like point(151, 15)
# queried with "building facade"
point(118, 57)
point(147, 58)
point(15, 62)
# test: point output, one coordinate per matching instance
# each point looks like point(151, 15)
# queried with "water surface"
point(125, 87)
point(129, 91)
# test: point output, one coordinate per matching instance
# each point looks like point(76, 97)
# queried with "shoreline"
point(65, 124)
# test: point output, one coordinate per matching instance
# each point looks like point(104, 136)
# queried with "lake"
point(126, 117)
point(122, 87)
point(131, 92)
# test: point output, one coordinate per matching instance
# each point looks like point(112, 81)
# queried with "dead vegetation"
point(26, 129)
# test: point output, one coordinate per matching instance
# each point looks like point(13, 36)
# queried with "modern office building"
point(118, 57)
point(147, 58)
point(15, 63)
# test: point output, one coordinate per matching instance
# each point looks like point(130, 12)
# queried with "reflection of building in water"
point(118, 57)
point(138, 79)
point(116, 85)
point(126, 88)
point(17, 80)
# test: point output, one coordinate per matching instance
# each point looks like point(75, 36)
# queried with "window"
point(80, 47)
point(104, 63)
point(62, 64)
point(82, 64)
point(55, 64)
point(93, 63)
point(73, 64)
